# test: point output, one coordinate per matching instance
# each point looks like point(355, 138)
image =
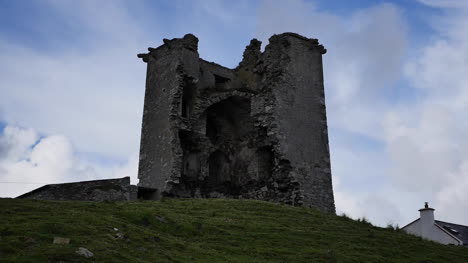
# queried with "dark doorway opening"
point(228, 119)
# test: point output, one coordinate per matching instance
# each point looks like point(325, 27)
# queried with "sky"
point(72, 90)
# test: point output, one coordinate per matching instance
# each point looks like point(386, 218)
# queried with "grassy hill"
point(201, 231)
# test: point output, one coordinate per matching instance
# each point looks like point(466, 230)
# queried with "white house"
point(442, 232)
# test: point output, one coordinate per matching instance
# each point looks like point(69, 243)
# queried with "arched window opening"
point(228, 119)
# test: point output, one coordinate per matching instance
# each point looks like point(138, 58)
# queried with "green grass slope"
point(201, 231)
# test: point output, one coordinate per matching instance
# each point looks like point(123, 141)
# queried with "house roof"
point(414, 221)
point(459, 231)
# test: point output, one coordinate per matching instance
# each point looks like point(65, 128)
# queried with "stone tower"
point(258, 131)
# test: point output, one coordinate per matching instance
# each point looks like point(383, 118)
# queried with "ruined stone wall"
point(98, 190)
point(257, 131)
point(161, 116)
point(296, 77)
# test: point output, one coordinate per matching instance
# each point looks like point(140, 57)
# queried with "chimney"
point(427, 220)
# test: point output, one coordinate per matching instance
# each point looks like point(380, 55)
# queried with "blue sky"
point(72, 90)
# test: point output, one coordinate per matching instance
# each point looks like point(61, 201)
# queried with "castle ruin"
point(258, 131)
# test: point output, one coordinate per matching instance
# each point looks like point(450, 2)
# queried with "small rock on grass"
point(161, 219)
point(61, 240)
point(82, 251)
point(121, 236)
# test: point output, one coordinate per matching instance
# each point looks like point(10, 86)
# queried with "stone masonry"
point(118, 189)
point(258, 131)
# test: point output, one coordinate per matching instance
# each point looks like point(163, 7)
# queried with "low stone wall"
point(98, 190)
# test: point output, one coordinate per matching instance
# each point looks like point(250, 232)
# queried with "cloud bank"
point(28, 161)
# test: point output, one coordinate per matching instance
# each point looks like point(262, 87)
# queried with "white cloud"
point(15, 142)
point(375, 206)
point(451, 201)
point(346, 203)
point(29, 162)
point(29, 159)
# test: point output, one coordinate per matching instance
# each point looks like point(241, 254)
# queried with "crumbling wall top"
point(312, 42)
point(251, 54)
point(189, 41)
